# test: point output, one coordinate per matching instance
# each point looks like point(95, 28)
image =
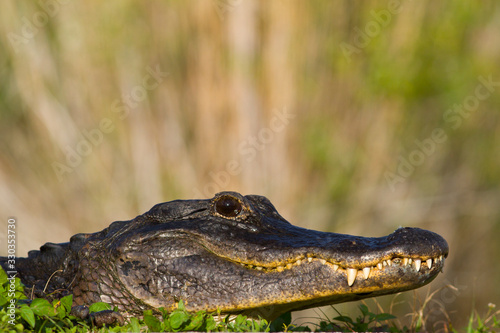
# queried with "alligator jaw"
point(334, 286)
point(382, 267)
point(270, 291)
point(344, 268)
point(255, 262)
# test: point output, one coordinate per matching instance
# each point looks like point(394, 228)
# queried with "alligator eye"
point(228, 206)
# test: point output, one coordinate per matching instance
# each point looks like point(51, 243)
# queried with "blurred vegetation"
point(327, 108)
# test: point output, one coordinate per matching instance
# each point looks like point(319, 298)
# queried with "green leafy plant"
point(365, 322)
point(181, 320)
point(284, 324)
point(40, 315)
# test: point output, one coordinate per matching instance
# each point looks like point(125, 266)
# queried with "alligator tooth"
point(409, 261)
point(380, 265)
point(405, 261)
point(335, 267)
point(389, 262)
point(259, 268)
point(351, 276)
point(289, 266)
point(429, 263)
point(280, 268)
point(309, 259)
point(366, 272)
point(417, 264)
point(298, 262)
point(385, 263)
point(323, 261)
point(441, 257)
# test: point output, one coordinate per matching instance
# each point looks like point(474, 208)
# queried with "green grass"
point(487, 323)
point(40, 315)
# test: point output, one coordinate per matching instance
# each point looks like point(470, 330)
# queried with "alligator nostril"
point(228, 206)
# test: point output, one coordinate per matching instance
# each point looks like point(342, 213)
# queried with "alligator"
point(232, 253)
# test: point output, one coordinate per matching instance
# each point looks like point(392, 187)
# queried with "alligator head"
point(237, 254)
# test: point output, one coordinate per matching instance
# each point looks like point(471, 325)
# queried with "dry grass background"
point(259, 97)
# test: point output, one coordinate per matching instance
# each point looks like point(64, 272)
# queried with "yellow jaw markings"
point(351, 272)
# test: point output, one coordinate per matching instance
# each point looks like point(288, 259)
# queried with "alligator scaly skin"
point(232, 252)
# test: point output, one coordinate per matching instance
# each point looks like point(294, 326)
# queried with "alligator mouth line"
point(351, 272)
